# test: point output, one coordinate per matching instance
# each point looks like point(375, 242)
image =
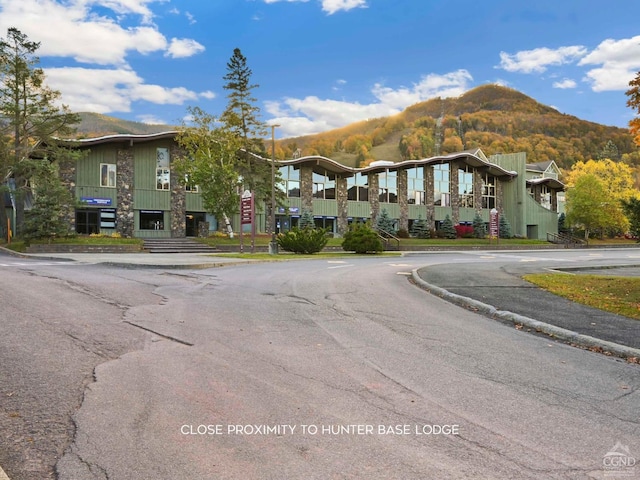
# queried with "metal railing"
point(565, 239)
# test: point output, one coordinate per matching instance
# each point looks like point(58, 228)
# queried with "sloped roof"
point(548, 181)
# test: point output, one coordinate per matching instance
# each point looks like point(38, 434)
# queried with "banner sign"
point(246, 208)
point(100, 202)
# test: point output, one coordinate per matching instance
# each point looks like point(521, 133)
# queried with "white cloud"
point(565, 83)
point(333, 6)
point(330, 6)
point(619, 60)
point(151, 120)
point(79, 32)
point(209, 95)
point(183, 47)
point(538, 59)
point(110, 90)
point(312, 114)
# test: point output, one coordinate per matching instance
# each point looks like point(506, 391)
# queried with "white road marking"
point(341, 266)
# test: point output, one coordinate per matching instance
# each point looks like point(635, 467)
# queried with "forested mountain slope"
point(497, 119)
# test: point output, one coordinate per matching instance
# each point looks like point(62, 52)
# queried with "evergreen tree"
point(385, 224)
point(31, 117)
point(479, 229)
point(52, 207)
point(306, 220)
point(447, 228)
point(242, 117)
point(504, 227)
point(420, 229)
point(562, 223)
point(632, 210)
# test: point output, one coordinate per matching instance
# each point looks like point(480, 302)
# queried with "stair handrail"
point(386, 237)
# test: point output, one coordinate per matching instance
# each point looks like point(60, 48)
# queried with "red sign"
point(246, 209)
point(494, 229)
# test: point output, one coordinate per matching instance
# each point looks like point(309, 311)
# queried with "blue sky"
point(322, 64)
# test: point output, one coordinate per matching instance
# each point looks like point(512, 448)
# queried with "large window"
point(162, 169)
point(465, 186)
point(441, 191)
point(151, 220)
point(388, 186)
point(107, 175)
point(415, 186)
point(290, 181)
point(324, 186)
point(488, 191)
point(358, 188)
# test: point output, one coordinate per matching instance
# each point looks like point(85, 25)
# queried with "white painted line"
point(404, 273)
point(3, 476)
point(341, 266)
point(528, 259)
point(336, 261)
point(399, 264)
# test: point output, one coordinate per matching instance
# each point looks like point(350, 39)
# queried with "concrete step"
point(176, 245)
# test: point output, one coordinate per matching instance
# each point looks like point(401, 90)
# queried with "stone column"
point(125, 187)
point(178, 205)
point(402, 200)
point(67, 169)
point(453, 190)
point(477, 190)
point(499, 196)
point(374, 197)
point(306, 188)
point(343, 205)
point(429, 197)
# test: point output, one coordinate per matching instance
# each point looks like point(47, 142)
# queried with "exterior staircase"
point(176, 245)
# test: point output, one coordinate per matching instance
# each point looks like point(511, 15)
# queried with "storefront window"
point(465, 186)
point(488, 191)
point(388, 186)
point(151, 220)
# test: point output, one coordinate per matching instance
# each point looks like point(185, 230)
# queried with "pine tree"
point(479, 228)
point(505, 227)
point(242, 117)
point(420, 229)
point(385, 224)
point(306, 220)
point(562, 223)
point(52, 207)
point(31, 117)
point(447, 228)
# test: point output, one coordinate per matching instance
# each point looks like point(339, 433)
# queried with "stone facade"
point(403, 223)
point(306, 188)
point(178, 214)
point(343, 205)
point(67, 171)
point(125, 215)
point(454, 176)
point(374, 197)
point(429, 194)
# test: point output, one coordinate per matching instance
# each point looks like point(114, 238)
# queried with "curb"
point(556, 332)
point(3, 476)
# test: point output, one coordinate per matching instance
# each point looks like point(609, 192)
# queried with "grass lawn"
point(619, 295)
point(20, 246)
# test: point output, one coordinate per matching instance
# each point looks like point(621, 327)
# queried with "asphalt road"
point(307, 369)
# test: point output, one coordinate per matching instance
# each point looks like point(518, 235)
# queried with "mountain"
point(494, 118)
point(97, 125)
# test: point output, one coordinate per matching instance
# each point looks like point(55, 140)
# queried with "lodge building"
point(127, 186)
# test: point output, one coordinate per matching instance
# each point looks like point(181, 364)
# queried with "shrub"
point(361, 238)
point(463, 231)
point(306, 220)
point(303, 240)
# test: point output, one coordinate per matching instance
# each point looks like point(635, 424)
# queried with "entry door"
point(192, 221)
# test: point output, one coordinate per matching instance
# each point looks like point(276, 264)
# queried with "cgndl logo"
point(619, 462)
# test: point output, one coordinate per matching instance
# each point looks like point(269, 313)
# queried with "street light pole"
point(273, 246)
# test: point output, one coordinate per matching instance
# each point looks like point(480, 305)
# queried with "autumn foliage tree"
point(634, 102)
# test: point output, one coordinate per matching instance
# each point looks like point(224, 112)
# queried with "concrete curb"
point(3, 476)
point(556, 332)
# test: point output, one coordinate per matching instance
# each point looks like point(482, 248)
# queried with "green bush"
point(447, 228)
point(420, 229)
point(303, 240)
point(361, 238)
